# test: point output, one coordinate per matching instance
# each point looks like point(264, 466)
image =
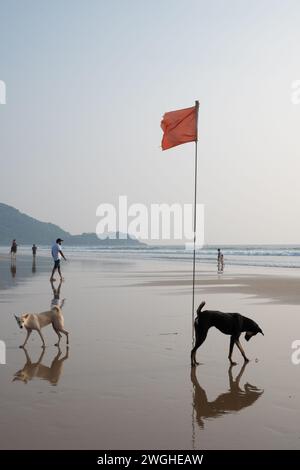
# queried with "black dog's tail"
point(200, 308)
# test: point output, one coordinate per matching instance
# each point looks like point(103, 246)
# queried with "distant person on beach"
point(34, 250)
point(57, 254)
point(220, 261)
point(13, 249)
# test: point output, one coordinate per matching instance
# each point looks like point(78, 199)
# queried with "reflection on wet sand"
point(33, 269)
point(235, 399)
point(13, 268)
point(32, 370)
point(56, 295)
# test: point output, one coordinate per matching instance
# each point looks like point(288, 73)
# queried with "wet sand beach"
point(125, 382)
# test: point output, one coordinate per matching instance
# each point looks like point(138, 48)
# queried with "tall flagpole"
point(195, 214)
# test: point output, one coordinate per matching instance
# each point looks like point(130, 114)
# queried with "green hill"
point(27, 230)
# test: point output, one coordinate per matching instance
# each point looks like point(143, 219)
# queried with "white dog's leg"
point(59, 338)
point(67, 335)
point(43, 345)
point(28, 334)
point(56, 329)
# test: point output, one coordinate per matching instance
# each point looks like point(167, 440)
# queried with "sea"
point(281, 256)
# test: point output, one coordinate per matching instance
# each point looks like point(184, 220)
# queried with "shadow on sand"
point(233, 400)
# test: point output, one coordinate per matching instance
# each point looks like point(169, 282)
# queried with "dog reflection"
point(228, 402)
point(32, 370)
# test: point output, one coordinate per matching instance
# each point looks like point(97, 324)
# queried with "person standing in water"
point(13, 249)
point(34, 250)
point(220, 261)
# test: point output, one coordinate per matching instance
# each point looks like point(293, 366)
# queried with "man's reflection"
point(235, 399)
point(38, 370)
point(33, 265)
point(56, 295)
point(13, 267)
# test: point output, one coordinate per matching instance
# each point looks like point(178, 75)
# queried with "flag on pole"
point(179, 127)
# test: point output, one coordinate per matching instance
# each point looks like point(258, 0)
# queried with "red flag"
point(179, 127)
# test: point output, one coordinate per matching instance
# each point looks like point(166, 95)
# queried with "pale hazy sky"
point(87, 84)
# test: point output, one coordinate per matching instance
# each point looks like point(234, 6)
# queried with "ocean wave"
point(267, 256)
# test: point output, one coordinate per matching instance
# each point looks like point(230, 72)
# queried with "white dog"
point(37, 321)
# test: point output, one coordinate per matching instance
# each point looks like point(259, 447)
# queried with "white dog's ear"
point(25, 315)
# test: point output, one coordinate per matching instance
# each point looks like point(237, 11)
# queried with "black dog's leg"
point(200, 338)
point(233, 339)
point(237, 342)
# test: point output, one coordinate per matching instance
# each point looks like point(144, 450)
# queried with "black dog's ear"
point(260, 331)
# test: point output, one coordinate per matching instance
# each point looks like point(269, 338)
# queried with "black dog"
point(228, 323)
